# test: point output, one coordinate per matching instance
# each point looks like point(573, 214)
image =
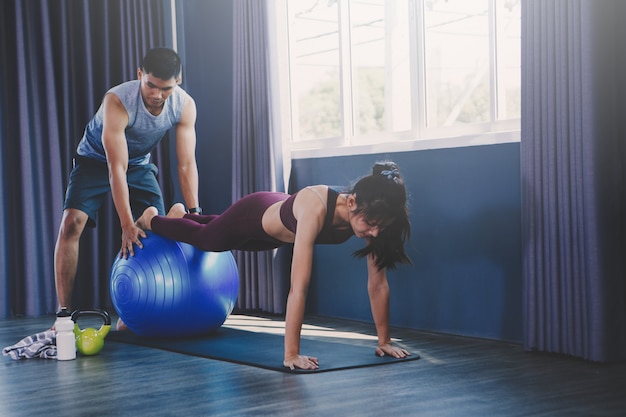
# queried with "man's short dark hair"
point(163, 63)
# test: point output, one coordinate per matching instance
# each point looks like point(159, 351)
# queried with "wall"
point(465, 245)
point(465, 204)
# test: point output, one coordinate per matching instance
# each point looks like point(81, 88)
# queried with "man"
point(114, 155)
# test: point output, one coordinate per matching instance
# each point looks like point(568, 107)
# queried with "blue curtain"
point(58, 58)
point(573, 153)
point(257, 163)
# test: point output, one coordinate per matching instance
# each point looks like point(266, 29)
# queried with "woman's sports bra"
point(328, 234)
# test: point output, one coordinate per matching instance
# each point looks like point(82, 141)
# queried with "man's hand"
point(130, 237)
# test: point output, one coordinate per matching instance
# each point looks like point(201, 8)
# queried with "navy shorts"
point(89, 185)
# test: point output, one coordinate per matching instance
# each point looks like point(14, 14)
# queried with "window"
point(380, 72)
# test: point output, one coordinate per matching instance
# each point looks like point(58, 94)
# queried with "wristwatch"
point(195, 210)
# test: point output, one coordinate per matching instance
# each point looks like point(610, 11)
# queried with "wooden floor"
point(455, 377)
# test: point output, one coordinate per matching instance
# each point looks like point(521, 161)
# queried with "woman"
point(375, 210)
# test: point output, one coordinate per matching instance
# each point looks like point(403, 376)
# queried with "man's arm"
point(186, 154)
point(116, 149)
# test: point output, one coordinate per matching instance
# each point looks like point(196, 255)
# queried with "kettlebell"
point(90, 341)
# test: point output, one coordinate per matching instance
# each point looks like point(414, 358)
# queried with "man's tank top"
point(144, 130)
point(328, 234)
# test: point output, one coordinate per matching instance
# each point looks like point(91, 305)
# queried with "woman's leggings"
point(238, 228)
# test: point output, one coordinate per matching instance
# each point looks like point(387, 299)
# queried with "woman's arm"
point(310, 212)
point(378, 290)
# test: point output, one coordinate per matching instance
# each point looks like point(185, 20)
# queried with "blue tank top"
point(144, 130)
point(328, 234)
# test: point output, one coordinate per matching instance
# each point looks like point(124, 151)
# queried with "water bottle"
point(66, 341)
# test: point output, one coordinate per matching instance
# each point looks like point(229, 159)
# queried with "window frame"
point(420, 137)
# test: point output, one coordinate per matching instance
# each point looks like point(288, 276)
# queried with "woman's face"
point(361, 225)
point(366, 228)
point(363, 228)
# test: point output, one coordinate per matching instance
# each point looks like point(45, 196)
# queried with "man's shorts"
point(89, 185)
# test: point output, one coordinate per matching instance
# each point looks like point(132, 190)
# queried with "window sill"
point(491, 138)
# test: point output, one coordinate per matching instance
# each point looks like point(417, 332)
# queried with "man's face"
point(154, 90)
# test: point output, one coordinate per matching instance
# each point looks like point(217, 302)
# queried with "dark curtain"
point(257, 163)
point(58, 59)
point(573, 153)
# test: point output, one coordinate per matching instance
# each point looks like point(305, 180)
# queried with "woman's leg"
point(177, 211)
point(236, 228)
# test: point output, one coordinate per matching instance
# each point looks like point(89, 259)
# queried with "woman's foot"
point(143, 222)
point(177, 211)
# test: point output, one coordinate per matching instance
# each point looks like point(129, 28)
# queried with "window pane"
point(508, 16)
point(315, 82)
point(457, 61)
point(380, 61)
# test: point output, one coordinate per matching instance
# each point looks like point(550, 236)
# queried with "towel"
point(39, 345)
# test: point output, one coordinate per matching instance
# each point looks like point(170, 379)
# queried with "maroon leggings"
point(238, 228)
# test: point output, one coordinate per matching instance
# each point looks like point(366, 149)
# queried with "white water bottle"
point(66, 341)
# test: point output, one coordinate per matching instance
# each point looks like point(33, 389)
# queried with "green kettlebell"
point(90, 341)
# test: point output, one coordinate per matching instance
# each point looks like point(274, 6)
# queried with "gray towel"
point(39, 345)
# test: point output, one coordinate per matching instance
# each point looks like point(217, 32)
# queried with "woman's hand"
point(301, 362)
point(393, 351)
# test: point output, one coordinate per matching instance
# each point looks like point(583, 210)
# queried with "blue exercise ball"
point(170, 288)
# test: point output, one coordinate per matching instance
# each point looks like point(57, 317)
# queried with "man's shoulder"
point(182, 92)
point(125, 86)
point(180, 99)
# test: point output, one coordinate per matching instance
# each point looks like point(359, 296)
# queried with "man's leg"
point(66, 254)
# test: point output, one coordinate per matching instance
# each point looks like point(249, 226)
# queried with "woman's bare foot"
point(177, 211)
point(121, 326)
point(143, 222)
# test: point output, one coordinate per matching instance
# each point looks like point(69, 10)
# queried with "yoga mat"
point(262, 350)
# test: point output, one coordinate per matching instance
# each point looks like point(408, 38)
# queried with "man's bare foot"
point(143, 222)
point(121, 326)
point(177, 211)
